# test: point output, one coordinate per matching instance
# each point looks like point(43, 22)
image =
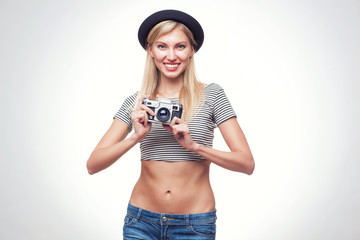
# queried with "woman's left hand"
point(179, 128)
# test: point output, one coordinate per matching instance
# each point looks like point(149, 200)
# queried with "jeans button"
point(164, 219)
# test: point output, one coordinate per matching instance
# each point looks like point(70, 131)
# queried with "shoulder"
point(131, 98)
point(212, 89)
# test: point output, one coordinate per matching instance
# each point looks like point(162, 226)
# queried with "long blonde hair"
point(192, 94)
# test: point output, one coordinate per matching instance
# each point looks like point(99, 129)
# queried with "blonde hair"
point(192, 94)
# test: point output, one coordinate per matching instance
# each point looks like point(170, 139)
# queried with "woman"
point(173, 198)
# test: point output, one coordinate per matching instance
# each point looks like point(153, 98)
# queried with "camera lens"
point(163, 114)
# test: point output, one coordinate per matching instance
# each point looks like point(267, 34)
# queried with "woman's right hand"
point(140, 119)
point(114, 143)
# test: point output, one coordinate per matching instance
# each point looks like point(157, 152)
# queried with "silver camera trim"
point(160, 103)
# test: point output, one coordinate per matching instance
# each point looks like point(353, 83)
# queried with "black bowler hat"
point(175, 15)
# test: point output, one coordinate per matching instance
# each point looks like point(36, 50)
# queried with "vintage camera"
point(165, 110)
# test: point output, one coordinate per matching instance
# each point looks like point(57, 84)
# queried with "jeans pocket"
point(208, 230)
point(129, 220)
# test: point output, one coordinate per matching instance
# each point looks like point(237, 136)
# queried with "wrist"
point(134, 138)
point(196, 147)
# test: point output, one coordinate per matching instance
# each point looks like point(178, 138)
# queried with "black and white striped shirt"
point(161, 145)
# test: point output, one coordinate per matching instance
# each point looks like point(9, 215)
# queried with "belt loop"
point(187, 219)
point(138, 214)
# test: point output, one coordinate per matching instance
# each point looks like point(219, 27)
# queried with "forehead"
point(176, 35)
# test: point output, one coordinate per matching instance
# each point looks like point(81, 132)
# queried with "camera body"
point(165, 110)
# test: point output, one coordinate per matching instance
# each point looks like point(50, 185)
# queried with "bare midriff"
point(174, 187)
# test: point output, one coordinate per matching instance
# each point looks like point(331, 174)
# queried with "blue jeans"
point(143, 224)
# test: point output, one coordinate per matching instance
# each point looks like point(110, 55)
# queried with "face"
point(171, 53)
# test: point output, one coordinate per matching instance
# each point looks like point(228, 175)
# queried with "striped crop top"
point(161, 145)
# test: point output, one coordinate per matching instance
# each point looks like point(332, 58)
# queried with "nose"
point(171, 55)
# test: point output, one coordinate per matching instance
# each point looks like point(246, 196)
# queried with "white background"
point(290, 68)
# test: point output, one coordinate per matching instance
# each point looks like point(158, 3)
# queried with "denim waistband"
point(171, 219)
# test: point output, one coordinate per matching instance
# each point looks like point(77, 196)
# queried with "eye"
point(160, 46)
point(181, 46)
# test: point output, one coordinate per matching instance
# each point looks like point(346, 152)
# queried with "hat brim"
point(174, 15)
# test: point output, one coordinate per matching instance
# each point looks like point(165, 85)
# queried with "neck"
point(170, 88)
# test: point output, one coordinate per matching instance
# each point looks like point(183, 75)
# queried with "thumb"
point(167, 127)
point(183, 112)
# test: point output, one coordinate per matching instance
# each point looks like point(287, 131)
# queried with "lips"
point(171, 66)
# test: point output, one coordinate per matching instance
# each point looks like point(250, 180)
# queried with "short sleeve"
point(124, 113)
point(222, 108)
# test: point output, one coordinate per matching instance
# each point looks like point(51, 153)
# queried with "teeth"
point(171, 65)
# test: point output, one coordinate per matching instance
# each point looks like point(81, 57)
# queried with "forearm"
point(235, 161)
point(104, 157)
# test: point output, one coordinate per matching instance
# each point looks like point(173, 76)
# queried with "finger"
point(167, 127)
point(140, 101)
point(144, 116)
point(174, 130)
point(140, 115)
point(175, 121)
point(147, 109)
point(183, 113)
point(177, 132)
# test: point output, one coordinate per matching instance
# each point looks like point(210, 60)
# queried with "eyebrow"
point(181, 42)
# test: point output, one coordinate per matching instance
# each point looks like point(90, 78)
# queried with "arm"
point(114, 143)
point(111, 147)
point(239, 158)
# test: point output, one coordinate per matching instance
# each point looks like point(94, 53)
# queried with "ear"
point(192, 51)
point(150, 50)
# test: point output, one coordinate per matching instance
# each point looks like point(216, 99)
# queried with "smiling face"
point(171, 53)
